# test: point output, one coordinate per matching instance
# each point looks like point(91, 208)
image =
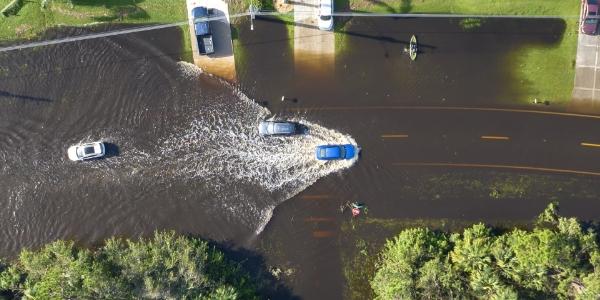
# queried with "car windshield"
point(325, 18)
point(322, 152)
point(342, 151)
point(591, 21)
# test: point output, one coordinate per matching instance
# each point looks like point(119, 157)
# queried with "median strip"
point(494, 137)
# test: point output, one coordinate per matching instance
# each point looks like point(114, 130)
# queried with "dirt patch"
point(67, 12)
point(282, 7)
point(22, 29)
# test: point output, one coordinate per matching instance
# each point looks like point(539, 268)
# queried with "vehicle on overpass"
point(266, 128)
point(590, 17)
point(336, 152)
point(325, 18)
point(86, 151)
point(202, 30)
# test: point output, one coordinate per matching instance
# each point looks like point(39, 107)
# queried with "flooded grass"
point(541, 72)
point(500, 185)
point(362, 238)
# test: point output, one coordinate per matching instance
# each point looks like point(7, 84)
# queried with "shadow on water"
point(5, 94)
point(255, 264)
point(111, 150)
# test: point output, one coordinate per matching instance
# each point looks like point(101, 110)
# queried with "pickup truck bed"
point(202, 29)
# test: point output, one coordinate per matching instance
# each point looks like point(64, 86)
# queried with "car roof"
point(331, 150)
point(281, 126)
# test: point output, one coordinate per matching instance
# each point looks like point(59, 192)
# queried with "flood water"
point(368, 91)
point(183, 147)
point(184, 153)
point(455, 66)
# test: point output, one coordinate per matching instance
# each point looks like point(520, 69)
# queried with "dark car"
point(590, 19)
point(202, 30)
point(277, 128)
point(335, 152)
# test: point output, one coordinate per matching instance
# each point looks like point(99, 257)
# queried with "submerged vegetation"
point(166, 266)
point(543, 73)
point(555, 257)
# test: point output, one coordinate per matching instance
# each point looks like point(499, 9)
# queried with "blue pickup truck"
point(202, 30)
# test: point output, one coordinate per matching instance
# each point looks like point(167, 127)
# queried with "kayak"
point(412, 51)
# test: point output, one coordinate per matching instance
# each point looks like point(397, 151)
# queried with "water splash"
point(223, 147)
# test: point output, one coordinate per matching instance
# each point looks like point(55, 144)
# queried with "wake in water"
point(186, 154)
point(223, 146)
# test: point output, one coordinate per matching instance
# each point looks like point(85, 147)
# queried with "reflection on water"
point(187, 155)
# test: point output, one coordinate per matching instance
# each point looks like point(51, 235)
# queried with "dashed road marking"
point(322, 233)
point(494, 137)
point(589, 144)
point(394, 136)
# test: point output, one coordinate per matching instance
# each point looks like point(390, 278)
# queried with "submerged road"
point(428, 164)
point(436, 134)
point(480, 138)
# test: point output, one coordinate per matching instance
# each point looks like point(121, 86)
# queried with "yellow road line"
point(322, 233)
point(492, 166)
point(391, 107)
point(589, 145)
point(494, 137)
point(385, 136)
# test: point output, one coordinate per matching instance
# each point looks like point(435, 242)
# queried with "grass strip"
point(33, 19)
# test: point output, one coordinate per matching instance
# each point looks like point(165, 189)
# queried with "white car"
point(325, 11)
point(86, 151)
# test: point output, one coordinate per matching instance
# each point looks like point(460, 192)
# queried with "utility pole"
point(252, 10)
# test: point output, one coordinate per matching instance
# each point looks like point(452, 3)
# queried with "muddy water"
point(183, 148)
point(184, 154)
point(456, 67)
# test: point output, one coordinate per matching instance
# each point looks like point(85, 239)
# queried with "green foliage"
point(556, 259)
point(470, 24)
point(164, 267)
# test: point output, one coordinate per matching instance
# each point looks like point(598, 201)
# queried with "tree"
point(401, 260)
point(557, 258)
point(166, 266)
